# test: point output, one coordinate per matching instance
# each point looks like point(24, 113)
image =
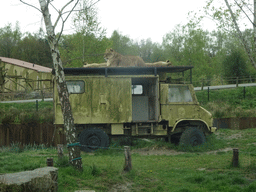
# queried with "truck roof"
point(125, 70)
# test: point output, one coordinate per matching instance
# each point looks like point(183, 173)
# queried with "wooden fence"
point(24, 134)
point(235, 123)
point(51, 135)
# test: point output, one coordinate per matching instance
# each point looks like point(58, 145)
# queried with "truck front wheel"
point(93, 139)
point(192, 136)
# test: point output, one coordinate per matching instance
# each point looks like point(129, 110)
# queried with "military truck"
point(136, 102)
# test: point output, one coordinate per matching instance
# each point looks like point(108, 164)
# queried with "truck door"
point(145, 105)
point(177, 101)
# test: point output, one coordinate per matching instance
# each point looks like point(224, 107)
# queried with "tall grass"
point(26, 112)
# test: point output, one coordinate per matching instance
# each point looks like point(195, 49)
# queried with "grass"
point(229, 102)
point(201, 169)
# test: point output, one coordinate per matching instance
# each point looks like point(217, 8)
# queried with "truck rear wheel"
point(93, 139)
point(192, 136)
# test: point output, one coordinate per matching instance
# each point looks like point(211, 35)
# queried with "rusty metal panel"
point(111, 100)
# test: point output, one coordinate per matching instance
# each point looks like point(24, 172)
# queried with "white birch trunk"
point(74, 152)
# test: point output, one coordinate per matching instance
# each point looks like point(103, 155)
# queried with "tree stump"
point(60, 150)
point(235, 160)
point(128, 159)
point(49, 161)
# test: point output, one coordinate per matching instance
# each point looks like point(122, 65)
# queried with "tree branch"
point(246, 47)
point(60, 12)
point(82, 9)
point(244, 12)
point(66, 20)
point(30, 5)
point(248, 7)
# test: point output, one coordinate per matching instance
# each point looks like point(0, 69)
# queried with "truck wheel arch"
point(200, 124)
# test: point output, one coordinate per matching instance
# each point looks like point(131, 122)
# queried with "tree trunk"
point(246, 46)
point(69, 126)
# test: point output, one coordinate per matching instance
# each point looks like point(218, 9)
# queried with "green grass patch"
point(197, 170)
point(26, 112)
point(229, 102)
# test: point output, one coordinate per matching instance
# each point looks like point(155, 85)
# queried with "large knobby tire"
point(93, 139)
point(192, 137)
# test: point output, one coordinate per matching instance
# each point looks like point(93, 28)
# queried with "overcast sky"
point(138, 19)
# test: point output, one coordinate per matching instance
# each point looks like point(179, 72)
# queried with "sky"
point(137, 19)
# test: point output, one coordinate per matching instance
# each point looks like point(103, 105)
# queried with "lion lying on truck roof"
point(115, 59)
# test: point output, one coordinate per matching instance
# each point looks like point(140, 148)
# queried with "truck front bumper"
point(213, 129)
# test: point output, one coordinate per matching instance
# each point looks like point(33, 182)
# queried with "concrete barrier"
point(38, 180)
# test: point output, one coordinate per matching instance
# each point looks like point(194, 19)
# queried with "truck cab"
point(136, 102)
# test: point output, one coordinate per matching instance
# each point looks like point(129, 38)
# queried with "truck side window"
point(179, 94)
point(137, 89)
point(75, 86)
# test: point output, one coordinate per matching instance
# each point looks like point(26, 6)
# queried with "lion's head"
point(109, 53)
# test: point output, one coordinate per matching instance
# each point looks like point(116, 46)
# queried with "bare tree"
point(250, 52)
point(240, 35)
point(69, 126)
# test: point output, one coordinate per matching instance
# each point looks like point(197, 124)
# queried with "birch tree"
point(69, 126)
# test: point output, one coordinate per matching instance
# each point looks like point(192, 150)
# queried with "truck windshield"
point(179, 94)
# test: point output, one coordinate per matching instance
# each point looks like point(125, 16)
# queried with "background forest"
point(216, 55)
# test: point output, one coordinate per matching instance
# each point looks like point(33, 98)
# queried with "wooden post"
point(208, 93)
point(237, 82)
point(244, 92)
point(128, 159)
point(36, 105)
point(235, 160)
point(60, 150)
point(49, 161)
point(8, 136)
point(42, 94)
point(202, 85)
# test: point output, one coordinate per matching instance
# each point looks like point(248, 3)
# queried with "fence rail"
point(25, 134)
point(225, 81)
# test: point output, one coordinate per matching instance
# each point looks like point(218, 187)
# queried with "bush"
point(235, 65)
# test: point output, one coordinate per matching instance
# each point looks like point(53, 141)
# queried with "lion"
point(91, 65)
point(160, 64)
point(115, 59)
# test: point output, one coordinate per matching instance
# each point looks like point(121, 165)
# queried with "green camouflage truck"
point(136, 102)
